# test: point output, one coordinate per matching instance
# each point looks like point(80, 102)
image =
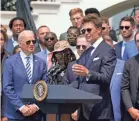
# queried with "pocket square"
point(96, 58)
point(119, 73)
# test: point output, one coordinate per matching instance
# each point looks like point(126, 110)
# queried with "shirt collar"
point(23, 55)
point(97, 42)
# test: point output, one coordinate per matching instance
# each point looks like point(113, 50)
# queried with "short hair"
point(4, 35)
point(24, 33)
point(52, 33)
point(73, 27)
point(129, 19)
point(75, 10)
point(95, 20)
point(81, 36)
point(42, 27)
point(14, 19)
point(92, 11)
point(105, 20)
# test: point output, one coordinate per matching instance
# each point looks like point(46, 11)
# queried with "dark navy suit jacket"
point(101, 65)
point(14, 78)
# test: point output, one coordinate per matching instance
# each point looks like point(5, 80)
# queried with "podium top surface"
point(62, 94)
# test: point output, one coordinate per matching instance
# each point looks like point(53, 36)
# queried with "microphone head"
point(53, 68)
point(61, 68)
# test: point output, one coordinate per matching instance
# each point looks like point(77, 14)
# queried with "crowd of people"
point(88, 57)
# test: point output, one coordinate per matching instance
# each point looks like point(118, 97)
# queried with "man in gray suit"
point(76, 18)
point(130, 86)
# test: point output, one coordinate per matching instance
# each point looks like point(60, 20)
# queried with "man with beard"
point(41, 33)
point(72, 33)
point(127, 25)
point(76, 18)
point(49, 41)
point(16, 25)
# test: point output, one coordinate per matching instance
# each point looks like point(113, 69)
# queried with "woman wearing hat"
point(62, 56)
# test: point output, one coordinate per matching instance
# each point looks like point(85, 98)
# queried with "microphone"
point(52, 69)
point(78, 77)
point(61, 68)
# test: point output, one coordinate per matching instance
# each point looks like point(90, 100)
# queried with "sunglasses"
point(29, 42)
point(126, 27)
point(49, 38)
point(79, 46)
point(83, 31)
point(103, 28)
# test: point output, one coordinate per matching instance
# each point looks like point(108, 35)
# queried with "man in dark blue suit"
point(19, 69)
point(126, 48)
point(94, 70)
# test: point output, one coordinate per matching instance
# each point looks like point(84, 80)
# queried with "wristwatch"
point(88, 75)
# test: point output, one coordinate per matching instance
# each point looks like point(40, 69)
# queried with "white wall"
point(58, 19)
point(60, 22)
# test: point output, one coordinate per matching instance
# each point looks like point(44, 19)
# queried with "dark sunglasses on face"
point(83, 31)
point(49, 38)
point(79, 46)
point(126, 27)
point(103, 28)
point(29, 42)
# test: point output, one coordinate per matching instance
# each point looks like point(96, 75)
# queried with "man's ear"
point(109, 27)
point(133, 27)
point(99, 30)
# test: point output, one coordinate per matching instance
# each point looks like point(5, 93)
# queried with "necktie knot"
point(27, 57)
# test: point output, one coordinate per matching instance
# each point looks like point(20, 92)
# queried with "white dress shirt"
point(96, 44)
point(123, 48)
point(24, 60)
point(15, 43)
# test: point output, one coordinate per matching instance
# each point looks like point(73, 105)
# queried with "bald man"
point(19, 69)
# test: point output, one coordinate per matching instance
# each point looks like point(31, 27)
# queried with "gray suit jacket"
point(130, 83)
point(63, 36)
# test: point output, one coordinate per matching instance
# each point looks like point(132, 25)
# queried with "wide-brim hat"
point(61, 45)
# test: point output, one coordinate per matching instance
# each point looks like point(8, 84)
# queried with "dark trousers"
point(82, 118)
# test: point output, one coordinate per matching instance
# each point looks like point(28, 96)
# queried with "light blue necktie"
point(125, 55)
point(28, 69)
